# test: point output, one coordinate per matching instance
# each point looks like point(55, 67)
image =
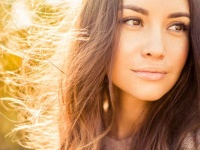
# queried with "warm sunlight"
point(21, 15)
point(57, 2)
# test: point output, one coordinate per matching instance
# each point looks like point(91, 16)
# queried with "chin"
point(151, 97)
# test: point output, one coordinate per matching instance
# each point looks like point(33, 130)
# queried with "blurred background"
point(9, 62)
point(30, 32)
point(8, 115)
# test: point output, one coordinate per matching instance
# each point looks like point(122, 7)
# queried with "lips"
point(153, 74)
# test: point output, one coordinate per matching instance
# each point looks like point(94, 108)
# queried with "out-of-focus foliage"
point(31, 32)
point(8, 62)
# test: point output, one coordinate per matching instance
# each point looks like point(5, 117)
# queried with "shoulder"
point(191, 141)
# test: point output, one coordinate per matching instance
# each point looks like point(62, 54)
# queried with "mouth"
point(150, 75)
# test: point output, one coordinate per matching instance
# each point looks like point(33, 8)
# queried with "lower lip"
point(153, 76)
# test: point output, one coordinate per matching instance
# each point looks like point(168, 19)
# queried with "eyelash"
point(182, 25)
point(126, 20)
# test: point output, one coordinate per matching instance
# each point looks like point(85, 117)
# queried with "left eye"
point(134, 22)
point(178, 27)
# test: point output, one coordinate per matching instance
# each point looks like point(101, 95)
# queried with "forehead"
point(160, 5)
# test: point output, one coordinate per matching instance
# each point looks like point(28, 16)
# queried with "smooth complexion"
point(151, 53)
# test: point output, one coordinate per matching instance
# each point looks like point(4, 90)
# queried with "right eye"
point(133, 22)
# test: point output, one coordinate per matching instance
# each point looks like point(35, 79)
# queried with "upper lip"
point(150, 69)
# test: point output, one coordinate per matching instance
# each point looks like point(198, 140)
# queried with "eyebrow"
point(179, 14)
point(135, 8)
point(145, 12)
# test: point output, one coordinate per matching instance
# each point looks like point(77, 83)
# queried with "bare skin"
point(151, 53)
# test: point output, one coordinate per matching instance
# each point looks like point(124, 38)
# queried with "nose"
point(154, 46)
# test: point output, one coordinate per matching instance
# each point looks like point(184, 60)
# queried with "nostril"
point(153, 55)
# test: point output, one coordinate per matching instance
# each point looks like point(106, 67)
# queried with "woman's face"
point(152, 47)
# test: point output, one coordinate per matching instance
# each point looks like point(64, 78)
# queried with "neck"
point(129, 114)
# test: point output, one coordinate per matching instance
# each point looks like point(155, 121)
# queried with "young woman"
point(132, 77)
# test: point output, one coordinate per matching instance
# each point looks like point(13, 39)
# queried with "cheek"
point(130, 43)
point(178, 53)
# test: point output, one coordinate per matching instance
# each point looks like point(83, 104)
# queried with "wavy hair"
point(87, 84)
point(80, 39)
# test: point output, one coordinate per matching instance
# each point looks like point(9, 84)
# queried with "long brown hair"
point(87, 84)
point(86, 75)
